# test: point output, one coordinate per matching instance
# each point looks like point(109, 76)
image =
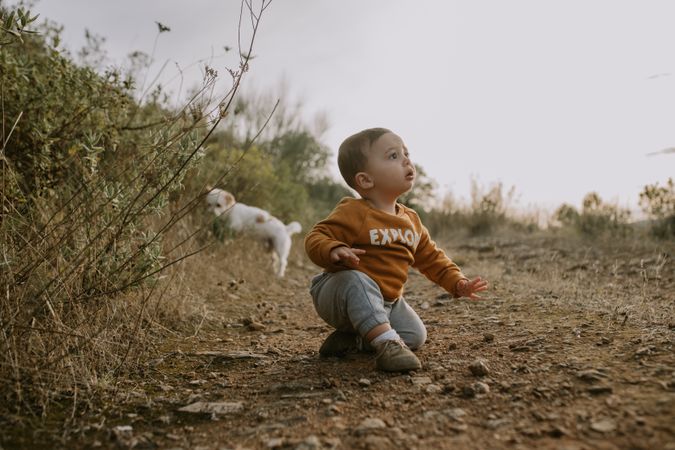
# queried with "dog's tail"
point(292, 228)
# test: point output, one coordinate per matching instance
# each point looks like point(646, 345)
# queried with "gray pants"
point(352, 302)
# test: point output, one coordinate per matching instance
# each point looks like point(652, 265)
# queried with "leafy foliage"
point(596, 217)
point(659, 204)
point(88, 174)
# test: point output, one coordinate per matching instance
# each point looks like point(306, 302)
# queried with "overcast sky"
point(556, 98)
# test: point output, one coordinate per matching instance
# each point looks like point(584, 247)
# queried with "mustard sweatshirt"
point(392, 243)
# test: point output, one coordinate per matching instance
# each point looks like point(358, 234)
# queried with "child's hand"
point(466, 288)
point(346, 256)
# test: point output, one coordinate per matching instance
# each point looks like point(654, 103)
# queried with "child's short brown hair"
point(352, 155)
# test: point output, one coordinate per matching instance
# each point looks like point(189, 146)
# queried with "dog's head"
point(219, 200)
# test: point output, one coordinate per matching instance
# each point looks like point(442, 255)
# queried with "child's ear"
point(363, 180)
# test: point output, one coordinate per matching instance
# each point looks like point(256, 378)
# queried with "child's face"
point(389, 166)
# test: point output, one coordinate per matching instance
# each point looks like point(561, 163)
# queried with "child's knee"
point(416, 339)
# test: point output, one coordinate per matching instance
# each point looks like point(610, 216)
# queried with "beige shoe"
point(395, 356)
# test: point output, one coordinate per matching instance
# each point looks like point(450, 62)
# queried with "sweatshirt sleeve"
point(339, 229)
point(434, 264)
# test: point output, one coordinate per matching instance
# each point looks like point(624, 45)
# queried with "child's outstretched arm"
point(469, 288)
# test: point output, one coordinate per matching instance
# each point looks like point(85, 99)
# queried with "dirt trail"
point(572, 349)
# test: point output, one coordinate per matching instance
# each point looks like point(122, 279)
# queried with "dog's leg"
point(276, 263)
point(282, 248)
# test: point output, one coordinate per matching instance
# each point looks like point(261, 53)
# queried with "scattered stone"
point(481, 388)
point(493, 424)
point(448, 388)
point(604, 425)
point(458, 427)
point(557, 431)
point(433, 389)
point(122, 431)
point(488, 337)
point(443, 296)
point(420, 381)
point(645, 351)
point(275, 443)
point(256, 326)
point(455, 413)
point(479, 368)
point(452, 346)
point(597, 390)
point(377, 442)
point(371, 423)
point(603, 341)
point(425, 305)
point(468, 391)
point(365, 382)
point(591, 375)
point(332, 442)
point(213, 407)
point(311, 442)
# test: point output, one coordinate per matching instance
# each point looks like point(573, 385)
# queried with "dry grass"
point(627, 280)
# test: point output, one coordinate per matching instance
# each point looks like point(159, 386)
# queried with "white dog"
point(258, 222)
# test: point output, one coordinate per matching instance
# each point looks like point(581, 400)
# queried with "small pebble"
point(479, 368)
point(481, 388)
point(604, 425)
point(256, 326)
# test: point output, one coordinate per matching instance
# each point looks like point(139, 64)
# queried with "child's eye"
point(393, 156)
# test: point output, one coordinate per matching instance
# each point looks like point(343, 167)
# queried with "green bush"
point(87, 175)
point(596, 217)
point(658, 202)
point(285, 171)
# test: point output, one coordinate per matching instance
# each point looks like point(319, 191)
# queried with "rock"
point(557, 431)
point(424, 305)
point(452, 346)
point(310, 443)
point(365, 382)
point(448, 388)
point(371, 423)
point(479, 368)
point(420, 381)
point(377, 442)
point(493, 424)
point(468, 391)
point(591, 375)
point(256, 326)
point(455, 413)
point(213, 407)
point(604, 425)
point(122, 430)
point(481, 388)
point(488, 337)
point(275, 443)
point(597, 390)
point(433, 389)
point(458, 427)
